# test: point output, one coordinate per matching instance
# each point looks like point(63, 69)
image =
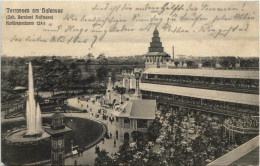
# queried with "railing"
point(202, 86)
point(241, 129)
point(210, 109)
point(142, 129)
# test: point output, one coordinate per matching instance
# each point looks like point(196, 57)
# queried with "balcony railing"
point(210, 109)
point(142, 129)
point(202, 86)
point(241, 130)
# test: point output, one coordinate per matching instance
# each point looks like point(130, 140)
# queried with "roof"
point(137, 109)
point(243, 74)
point(240, 155)
point(57, 115)
point(60, 131)
point(157, 53)
point(234, 97)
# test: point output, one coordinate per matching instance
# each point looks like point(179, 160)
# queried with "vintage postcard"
point(130, 83)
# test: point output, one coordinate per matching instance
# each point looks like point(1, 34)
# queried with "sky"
point(241, 40)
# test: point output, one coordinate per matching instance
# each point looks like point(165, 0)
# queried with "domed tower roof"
point(155, 31)
point(57, 115)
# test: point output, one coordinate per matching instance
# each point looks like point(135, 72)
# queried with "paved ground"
point(88, 156)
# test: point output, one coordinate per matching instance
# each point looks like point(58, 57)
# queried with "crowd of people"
point(244, 122)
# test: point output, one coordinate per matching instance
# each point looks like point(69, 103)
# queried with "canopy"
point(241, 74)
point(234, 97)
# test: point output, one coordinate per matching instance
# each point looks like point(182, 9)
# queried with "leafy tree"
point(113, 76)
point(73, 66)
point(125, 154)
point(76, 75)
point(154, 130)
point(102, 73)
point(206, 64)
point(103, 158)
point(90, 56)
point(227, 61)
point(52, 75)
point(176, 63)
point(121, 91)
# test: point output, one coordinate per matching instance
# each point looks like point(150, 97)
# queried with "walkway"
point(89, 156)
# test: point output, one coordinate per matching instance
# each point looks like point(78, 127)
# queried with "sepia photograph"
point(130, 83)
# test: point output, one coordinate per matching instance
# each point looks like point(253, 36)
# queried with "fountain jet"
point(33, 112)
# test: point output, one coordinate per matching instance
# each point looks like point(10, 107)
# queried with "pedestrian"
point(96, 149)
point(114, 142)
point(110, 135)
point(103, 139)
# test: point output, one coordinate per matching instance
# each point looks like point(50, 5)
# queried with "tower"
point(156, 44)
point(57, 132)
point(109, 87)
point(155, 58)
point(138, 95)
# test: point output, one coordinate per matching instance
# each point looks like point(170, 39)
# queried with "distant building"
point(156, 57)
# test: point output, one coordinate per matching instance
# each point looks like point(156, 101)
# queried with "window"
point(126, 120)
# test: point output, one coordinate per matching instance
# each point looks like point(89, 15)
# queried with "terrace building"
point(228, 93)
point(135, 115)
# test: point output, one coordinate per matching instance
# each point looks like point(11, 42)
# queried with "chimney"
point(173, 53)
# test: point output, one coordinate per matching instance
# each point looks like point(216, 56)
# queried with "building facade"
point(135, 115)
point(218, 92)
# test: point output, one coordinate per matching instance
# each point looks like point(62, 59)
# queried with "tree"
point(206, 64)
point(176, 63)
point(120, 90)
point(76, 75)
point(102, 73)
point(125, 154)
point(227, 61)
point(103, 158)
point(52, 75)
point(113, 77)
point(101, 56)
point(154, 130)
point(73, 66)
point(90, 56)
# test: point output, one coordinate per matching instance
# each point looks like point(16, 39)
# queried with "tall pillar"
point(123, 82)
point(138, 95)
point(131, 83)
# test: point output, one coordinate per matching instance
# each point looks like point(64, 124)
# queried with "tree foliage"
point(154, 130)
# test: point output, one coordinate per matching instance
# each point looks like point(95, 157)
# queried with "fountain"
point(34, 131)
point(33, 112)
point(25, 141)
